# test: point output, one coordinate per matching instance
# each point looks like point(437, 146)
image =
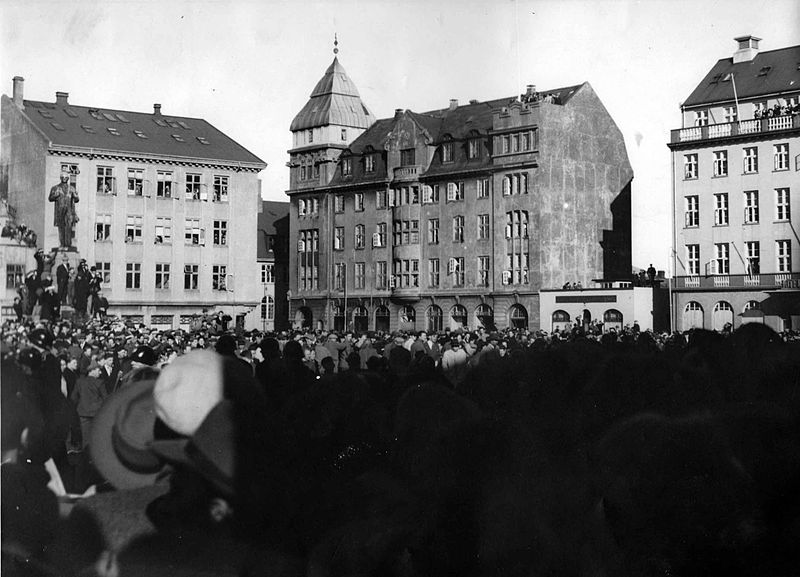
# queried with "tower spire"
point(335, 44)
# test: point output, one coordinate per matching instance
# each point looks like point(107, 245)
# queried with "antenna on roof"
point(335, 44)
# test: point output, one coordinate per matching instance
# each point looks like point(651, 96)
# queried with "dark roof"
point(268, 221)
point(770, 72)
point(334, 100)
point(63, 124)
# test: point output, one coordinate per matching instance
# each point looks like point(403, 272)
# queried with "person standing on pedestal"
point(62, 279)
point(65, 196)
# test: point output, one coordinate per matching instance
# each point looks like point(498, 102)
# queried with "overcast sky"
point(248, 67)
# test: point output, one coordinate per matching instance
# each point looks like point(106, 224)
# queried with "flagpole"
point(735, 97)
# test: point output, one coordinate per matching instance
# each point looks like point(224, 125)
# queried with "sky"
point(248, 67)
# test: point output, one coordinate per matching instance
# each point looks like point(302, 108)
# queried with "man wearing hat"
point(65, 197)
point(62, 278)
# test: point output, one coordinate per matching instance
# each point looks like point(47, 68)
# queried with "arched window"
point(561, 321)
point(382, 319)
point(484, 315)
point(723, 315)
point(338, 317)
point(751, 305)
point(360, 319)
point(693, 316)
point(518, 317)
point(458, 317)
point(612, 316)
point(561, 317)
point(434, 319)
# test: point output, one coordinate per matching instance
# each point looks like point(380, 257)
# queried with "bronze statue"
point(65, 196)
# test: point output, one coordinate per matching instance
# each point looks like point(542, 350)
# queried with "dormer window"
point(369, 163)
point(447, 152)
point(113, 131)
point(764, 70)
point(474, 148)
point(347, 167)
point(408, 157)
point(344, 134)
point(701, 118)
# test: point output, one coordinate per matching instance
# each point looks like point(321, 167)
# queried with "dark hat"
point(494, 337)
point(226, 345)
point(41, 338)
point(30, 357)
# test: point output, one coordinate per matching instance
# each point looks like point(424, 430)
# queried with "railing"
point(761, 281)
point(407, 171)
point(727, 129)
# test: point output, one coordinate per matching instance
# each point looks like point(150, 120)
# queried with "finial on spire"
point(335, 44)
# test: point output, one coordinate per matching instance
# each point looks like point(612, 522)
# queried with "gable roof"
point(84, 127)
point(783, 75)
point(334, 100)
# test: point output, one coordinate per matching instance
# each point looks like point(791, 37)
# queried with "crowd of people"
point(131, 450)
point(19, 233)
point(787, 109)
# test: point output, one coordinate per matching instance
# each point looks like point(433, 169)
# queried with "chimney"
point(19, 84)
point(157, 109)
point(398, 112)
point(61, 98)
point(453, 103)
point(748, 48)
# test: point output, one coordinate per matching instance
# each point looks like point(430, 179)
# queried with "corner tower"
point(332, 118)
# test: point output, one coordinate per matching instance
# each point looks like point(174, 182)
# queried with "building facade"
point(163, 202)
point(736, 179)
point(454, 217)
point(273, 263)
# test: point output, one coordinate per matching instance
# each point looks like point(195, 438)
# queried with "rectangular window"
point(310, 136)
point(693, 259)
point(106, 183)
point(458, 229)
point(192, 231)
point(722, 258)
point(162, 276)
point(135, 181)
point(692, 214)
point(339, 275)
point(338, 238)
point(133, 228)
point(358, 278)
point(783, 252)
point(358, 202)
point(369, 163)
point(701, 118)
point(309, 259)
point(721, 163)
point(517, 224)
point(338, 203)
point(163, 184)
point(483, 271)
point(408, 156)
point(455, 191)
point(474, 149)
point(220, 189)
point(483, 227)
point(358, 236)
point(267, 272)
point(104, 268)
point(782, 206)
point(406, 273)
point(506, 139)
point(163, 230)
point(433, 272)
point(103, 227)
point(380, 199)
point(220, 232)
point(219, 277)
point(752, 254)
point(721, 209)
point(781, 156)
point(133, 275)
point(483, 188)
point(689, 166)
point(751, 206)
point(515, 184)
point(15, 276)
point(193, 187)
point(750, 160)
point(457, 270)
point(730, 113)
point(381, 277)
point(379, 238)
point(73, 171)
point(347, 167)
point(433, 231)
point(447, 152)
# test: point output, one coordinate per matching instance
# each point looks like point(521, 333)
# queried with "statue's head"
point(64, 177)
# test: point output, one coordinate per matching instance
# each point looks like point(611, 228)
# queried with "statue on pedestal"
point(65, 196)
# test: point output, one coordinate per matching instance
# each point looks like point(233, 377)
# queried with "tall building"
point(735, 182)
point(273, 262)
point(163, 202)
point(455, 217)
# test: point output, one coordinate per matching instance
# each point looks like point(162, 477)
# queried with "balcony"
point(738, 281)
point(732, 129)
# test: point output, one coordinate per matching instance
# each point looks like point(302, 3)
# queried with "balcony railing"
point(407, 172)
point(758, 281)
point(712, 131)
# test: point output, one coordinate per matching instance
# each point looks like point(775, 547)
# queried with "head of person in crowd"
point(42, 339)
point(270, 349)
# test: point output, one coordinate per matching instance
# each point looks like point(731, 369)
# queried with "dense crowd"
point(130, 450)
point(20, 233)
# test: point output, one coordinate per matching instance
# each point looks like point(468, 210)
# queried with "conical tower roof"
point(334, 100)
